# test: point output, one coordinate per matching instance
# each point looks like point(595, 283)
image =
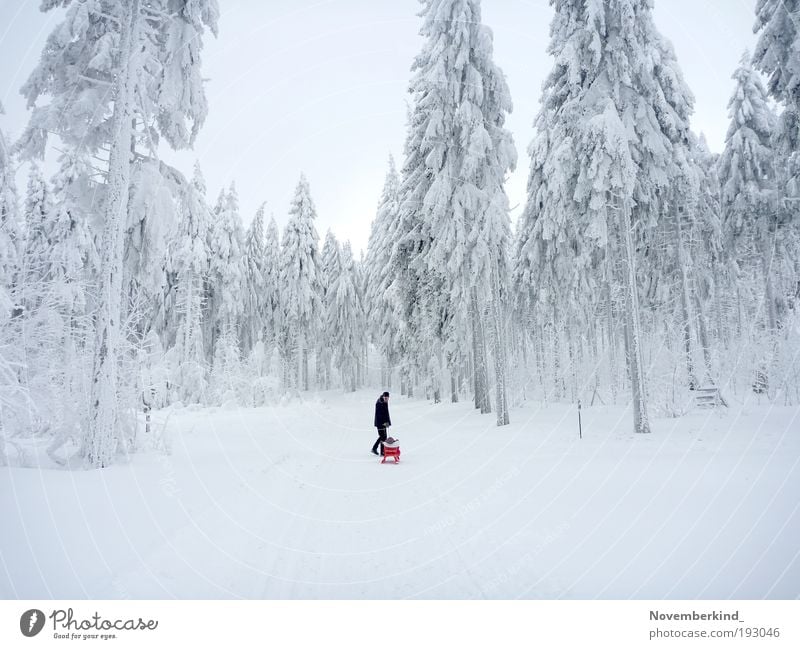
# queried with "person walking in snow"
point(382, 421)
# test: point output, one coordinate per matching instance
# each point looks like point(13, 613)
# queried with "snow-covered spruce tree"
point(300, 288)
point(345, 318)
point(190, 256)
point(10, 226)
point(52, 328)
point(681, 259)
point(750, 202)
point(227, 384)
point(118, 74)
point(614, 115)
point(272, 266)
point(254, 286)
point(226, 277)
point(560, 274)
point(38, 213)
point(746, 166)
point(457, 156)
point(260, 386)
point(776, 55)
point(158, 192)
point(379, 300)
point(711, 279)
point(71, 271)
point(360, 282)
point(74, 260)
point(778, 48)
point(34, 331)
point(12, 392)
point(405, 284)
point(330, 268)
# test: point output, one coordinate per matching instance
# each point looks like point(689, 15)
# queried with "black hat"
point(385, 394)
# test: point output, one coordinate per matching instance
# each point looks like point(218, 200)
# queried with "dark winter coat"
point(382, 413)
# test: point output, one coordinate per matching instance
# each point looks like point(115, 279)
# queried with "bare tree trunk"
point(407, 374)
point(538, 347)
point(770, 317)
point(611, 330)
point(558, 385)
point(304, 353)
point(482, 401)
point(436, 377)
point(596, 332)
point(499, 352)
point(573, 373)
point(100, 443)
point(641, 423)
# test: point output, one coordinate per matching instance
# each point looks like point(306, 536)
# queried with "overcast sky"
point(321, 87)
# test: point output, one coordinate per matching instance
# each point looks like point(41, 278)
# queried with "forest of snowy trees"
point(642, 268)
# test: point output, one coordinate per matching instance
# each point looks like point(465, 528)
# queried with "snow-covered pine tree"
point(300, 288)
point(138, 77)
point(709, 202)
point(73, 258)
point(746, 166)
point(330, 268)
point(711, 279)
point(750, 202)
point(190, 262)
point(680, 261)
point(272, 266)
point(346, 319)
point(10, 227)
point(158, 192)
point(38, 213)
point(777, 54)
point(227, 384)
point(614, 114)
point(379, 301)
point(71, 271)
point(457, 155)
point(778, 49)
point(226, 277)
point(404, 277)
point(12, 392)
point(255, 284)
point(52, 329)
point(364, 348)
point(36, 328)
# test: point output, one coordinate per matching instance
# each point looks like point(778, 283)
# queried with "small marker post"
point(580, 429)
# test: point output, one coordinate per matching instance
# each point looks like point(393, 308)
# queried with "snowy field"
point(287, 502)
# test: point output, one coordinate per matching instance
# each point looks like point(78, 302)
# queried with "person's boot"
point(374, 452)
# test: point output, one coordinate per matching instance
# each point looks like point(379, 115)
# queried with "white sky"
point(321, 87)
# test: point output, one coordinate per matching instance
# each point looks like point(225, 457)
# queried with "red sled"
point(391, 451)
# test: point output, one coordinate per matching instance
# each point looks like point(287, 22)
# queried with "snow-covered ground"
point(287, 502)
